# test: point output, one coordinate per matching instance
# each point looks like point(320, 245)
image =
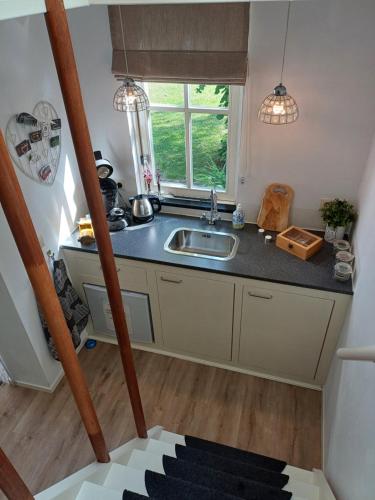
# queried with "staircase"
point(169, 466)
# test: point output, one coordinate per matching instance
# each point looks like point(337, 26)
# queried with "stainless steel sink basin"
point(200, 243)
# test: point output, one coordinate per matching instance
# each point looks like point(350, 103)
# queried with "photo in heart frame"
point(34, 142)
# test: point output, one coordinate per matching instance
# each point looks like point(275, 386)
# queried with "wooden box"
point(299, 242)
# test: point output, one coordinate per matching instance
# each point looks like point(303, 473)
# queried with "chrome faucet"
point(213, 215)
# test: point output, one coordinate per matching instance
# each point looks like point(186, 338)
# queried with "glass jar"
point(343, 271)
point(343, 256)
point(341, 246)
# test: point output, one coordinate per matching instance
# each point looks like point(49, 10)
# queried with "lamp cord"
point(123, 42)
point(285, 39)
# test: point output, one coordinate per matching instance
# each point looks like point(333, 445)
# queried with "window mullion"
point(167, 109)
point(188, 141)
point(150, 143)
point(209, 111)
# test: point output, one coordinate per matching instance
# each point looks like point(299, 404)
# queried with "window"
point(192, 135)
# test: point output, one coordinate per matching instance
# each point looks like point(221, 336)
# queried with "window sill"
point(196, 203)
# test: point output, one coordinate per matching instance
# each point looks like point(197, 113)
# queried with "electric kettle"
point(144, 206)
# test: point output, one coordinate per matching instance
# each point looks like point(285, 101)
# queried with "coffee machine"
point(110, 194)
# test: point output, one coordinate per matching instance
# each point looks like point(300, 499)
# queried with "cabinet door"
point(283, 333)
point(196, 314)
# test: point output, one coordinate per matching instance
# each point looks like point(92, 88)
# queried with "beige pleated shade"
point(191, 43)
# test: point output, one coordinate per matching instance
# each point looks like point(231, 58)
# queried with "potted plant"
point(337, 214)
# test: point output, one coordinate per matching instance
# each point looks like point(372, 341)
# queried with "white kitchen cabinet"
point(283, 333)
point(196, 314)
point(212, 318)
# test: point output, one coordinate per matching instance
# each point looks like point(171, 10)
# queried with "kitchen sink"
point(200, 243)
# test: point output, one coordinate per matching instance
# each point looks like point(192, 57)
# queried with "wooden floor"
point(43, 436)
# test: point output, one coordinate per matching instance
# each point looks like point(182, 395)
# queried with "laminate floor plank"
point(43, 436)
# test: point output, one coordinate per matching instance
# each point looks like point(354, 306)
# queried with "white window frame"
point(234, 124)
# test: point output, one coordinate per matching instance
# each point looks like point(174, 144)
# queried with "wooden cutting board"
point(274, 211)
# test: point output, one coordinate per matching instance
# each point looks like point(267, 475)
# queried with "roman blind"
point(191, 43)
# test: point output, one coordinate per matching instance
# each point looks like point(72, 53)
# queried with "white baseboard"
point(51, 388)
point(323, 430)
point(44, 388)
point(325, 491)
point(152, 348)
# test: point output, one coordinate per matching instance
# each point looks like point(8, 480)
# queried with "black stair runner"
point(235, 467)
point(129, 495)
point(222, 481)
point(204, 470)
point(236, 454)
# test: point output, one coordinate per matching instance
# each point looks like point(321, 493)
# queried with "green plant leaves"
point(338, 213)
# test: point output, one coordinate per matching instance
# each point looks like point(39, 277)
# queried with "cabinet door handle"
point(170, 281)
point(261, 295)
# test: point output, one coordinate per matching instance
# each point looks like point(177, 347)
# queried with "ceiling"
point(18, 8)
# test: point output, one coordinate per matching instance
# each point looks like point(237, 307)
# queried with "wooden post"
point(21, 225)
point(11, 482)
point(62, 49)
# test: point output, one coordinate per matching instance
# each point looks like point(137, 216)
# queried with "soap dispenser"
point(238, 218)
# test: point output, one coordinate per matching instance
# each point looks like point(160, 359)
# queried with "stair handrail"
point(11, 482)
point(365, 353)
point(63, 54)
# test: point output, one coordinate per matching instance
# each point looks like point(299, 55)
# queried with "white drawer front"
point(89, 270)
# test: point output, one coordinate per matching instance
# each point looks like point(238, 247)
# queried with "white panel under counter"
point(86, 268)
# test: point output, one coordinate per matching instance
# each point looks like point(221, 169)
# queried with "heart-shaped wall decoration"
point(34, 142)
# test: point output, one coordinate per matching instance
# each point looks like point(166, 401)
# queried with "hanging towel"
point(75, 311)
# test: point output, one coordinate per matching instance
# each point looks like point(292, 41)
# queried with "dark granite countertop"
point(254, 259)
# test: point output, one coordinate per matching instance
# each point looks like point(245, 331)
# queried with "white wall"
point(329, 70)
point(349, 393)
point(109, 129)
point(16, 347)
point(28, 75)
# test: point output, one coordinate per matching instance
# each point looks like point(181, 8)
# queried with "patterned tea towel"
point(75, 311)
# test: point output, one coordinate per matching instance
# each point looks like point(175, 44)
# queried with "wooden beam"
point(11, 482)
point(26, 239)
point(62, 49)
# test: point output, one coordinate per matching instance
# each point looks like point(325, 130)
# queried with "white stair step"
point(304, 490)
point(160, 448)
point(121, 455)
point(92, 491)
point(143, 460)
point(171, 438)
point(298, 474)
point(121, 477)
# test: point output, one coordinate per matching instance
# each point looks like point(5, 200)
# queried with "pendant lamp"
point(279, 108)
point(129, 96)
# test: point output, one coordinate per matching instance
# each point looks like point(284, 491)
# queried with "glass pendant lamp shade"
point(130, 97)
point(278, 108)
